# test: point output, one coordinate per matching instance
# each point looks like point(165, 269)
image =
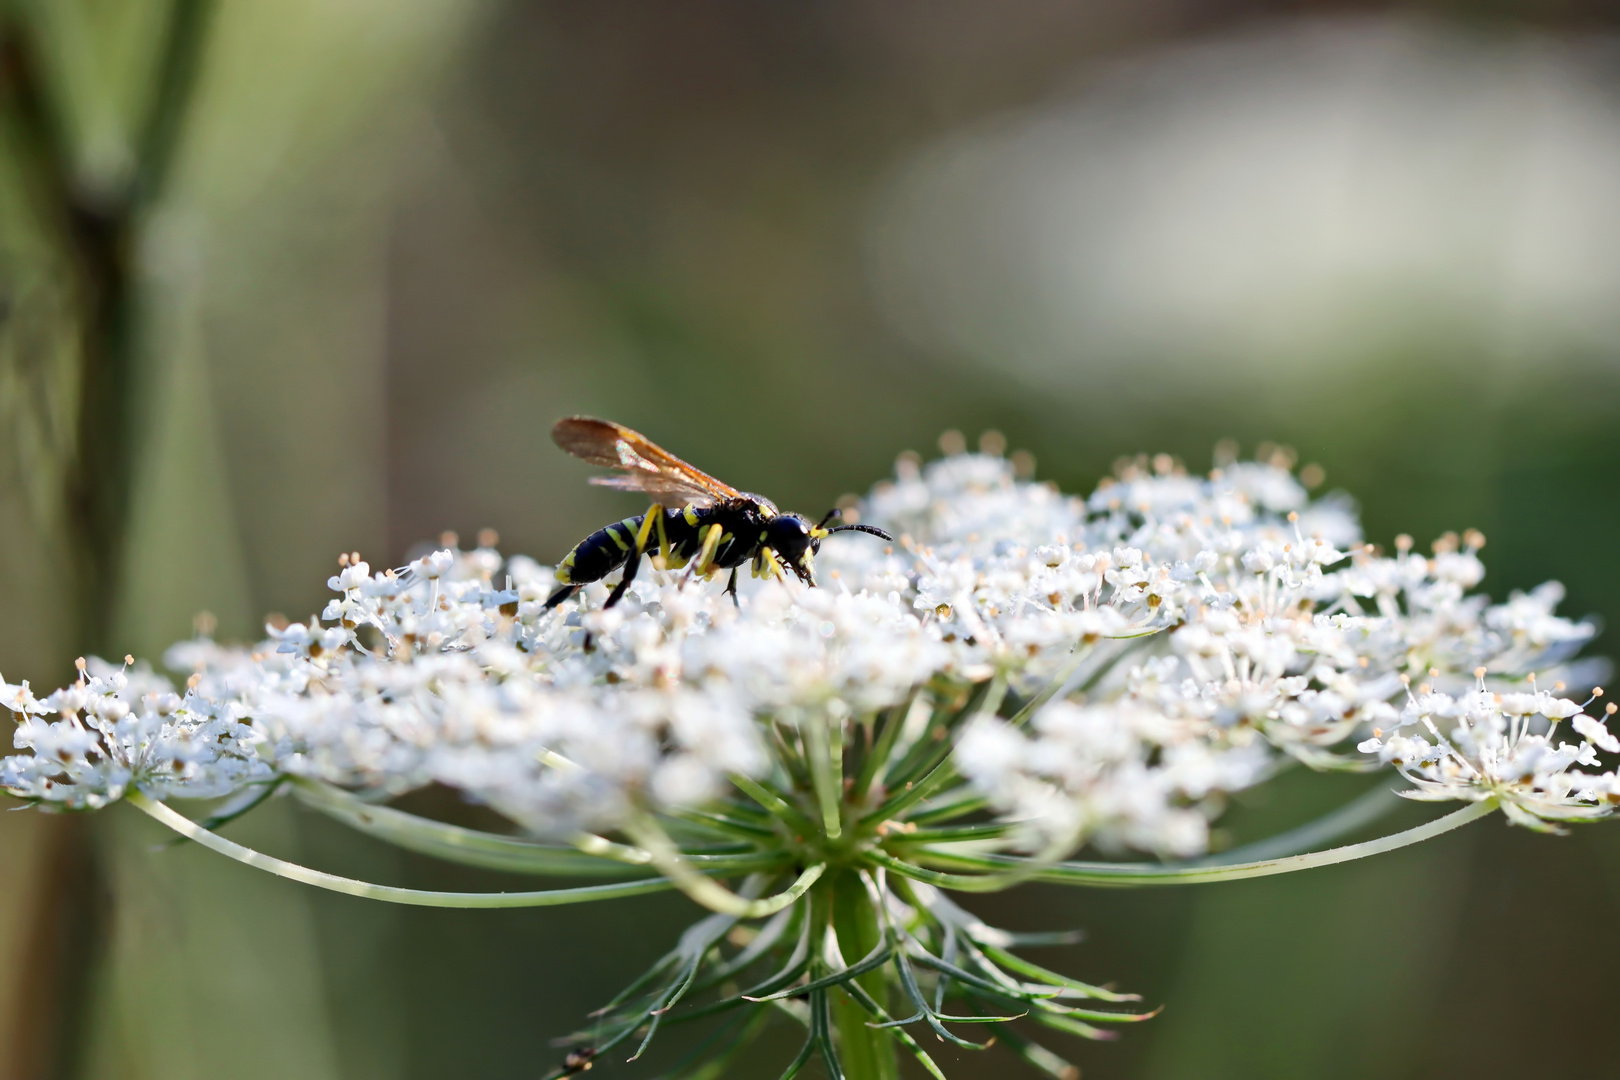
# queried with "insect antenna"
point(874, 530)
point(836, 512)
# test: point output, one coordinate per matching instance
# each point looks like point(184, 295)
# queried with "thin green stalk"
point(452, 843)
point(1135, 874)
point(913, 793)
point(1359, 812)
point(825, 750)
point(935, 749)
point(877, 755)
point(881, 1019)
point(724, 824)
point(771, 801)
point(943, 772)
point(710, 1058)
point(787, 754)
point(1035, 1054)
point(764, 941)
point(821, 1029)
point(712, 895)
point(949, 811)
point(872, 962)
point(243, 802)
point(988, 830)
point(1356, 814)
point(1082, 652)
point(389, 893)
point(923, 754)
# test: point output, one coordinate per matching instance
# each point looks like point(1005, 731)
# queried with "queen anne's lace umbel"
point(1201, 632)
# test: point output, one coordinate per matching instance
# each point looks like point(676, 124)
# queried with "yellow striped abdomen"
point(600, 553)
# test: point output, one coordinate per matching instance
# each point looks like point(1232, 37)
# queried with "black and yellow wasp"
point(695, 521)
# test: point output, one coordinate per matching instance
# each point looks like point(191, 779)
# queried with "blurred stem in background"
point(101, 207)
point(86, 211)
point(147, 145)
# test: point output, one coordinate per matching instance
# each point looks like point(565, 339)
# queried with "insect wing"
point(647, 467)
point(665, 490)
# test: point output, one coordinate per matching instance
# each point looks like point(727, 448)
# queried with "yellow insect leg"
point(711, 541)
point(646, 527)
point(643, 535)
point(662, 561)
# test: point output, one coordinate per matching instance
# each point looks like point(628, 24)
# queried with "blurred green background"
point(283, 279)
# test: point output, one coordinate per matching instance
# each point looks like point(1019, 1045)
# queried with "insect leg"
point(774, 563)
point(663, 544)
point(630, 566)
point(711, 541)
point(731, 587)
point(646, 526)
point(559, 596)
point(632, 561)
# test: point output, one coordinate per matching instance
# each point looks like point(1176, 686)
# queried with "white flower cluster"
point(1217, 620)
point(121, 726)
point(1203, 629)
point(1487, 744)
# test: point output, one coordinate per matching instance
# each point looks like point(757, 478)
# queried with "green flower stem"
point(388, 893)
point(452, 843)
point(825, 751)
point(602, 848)
point(913, 793)
point(932, 744)
point(1082, 653)
point(970, 803)
point(868, 1053)
point(1355, 814)
point(727, 825)
point(989, 830)
point(775, 804)
point(712, 895)
point(1129, 874)
point(878, 754)
point(942, 774)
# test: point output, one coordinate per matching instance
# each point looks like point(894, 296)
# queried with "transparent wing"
point(664, 490)
point(647, 467)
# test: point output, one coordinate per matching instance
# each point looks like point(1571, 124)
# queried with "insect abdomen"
point(600, 553)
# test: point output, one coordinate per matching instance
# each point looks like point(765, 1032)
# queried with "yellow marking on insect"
point(568, 560)
point(562, 575)
point(725, 538)
point(613, 534)
point(646, 525)
point(817, 534)
point(711, 540)
point(691, 516)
